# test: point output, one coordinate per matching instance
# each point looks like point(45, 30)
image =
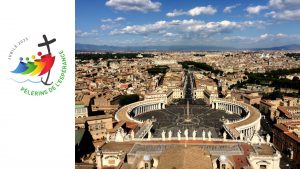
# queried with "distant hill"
point(285, 47)
point(87, 47)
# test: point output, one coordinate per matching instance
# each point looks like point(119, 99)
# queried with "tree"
point(128, 99)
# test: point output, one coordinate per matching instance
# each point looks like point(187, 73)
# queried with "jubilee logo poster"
point(37, 65)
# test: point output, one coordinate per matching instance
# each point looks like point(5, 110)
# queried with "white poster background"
point(37, 131)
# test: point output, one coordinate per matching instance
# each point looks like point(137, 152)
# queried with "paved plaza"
point(174, 118)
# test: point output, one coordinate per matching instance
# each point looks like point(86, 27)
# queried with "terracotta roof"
point(185, 157)
point(282, 127)
point(293, 136)
point(86, 100)
point(240, 161)
point(267, 103)
point(264, 149)
point(131, 125)
point(116, 146)
point(90, 118)
point(251, 97)
point(285, 111)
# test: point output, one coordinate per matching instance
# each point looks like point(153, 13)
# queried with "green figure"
point(31, 67)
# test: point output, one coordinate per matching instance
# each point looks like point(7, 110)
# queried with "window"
point(223, 166)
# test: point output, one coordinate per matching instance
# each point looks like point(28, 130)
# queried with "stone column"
point(249, 131)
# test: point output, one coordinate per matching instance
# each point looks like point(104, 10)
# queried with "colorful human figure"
point(48, 60)
point(21, 67)
point(31, 66)
point(39, 66)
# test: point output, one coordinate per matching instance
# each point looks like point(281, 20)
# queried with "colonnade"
point(244, 127)
point(148, 107)
point(248, 132)
point(228, 107)
point(138, 108)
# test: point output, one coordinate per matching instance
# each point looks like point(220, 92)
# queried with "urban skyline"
point(200, 84)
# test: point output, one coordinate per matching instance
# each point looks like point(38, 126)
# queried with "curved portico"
point(128, 112)
point(245, 127)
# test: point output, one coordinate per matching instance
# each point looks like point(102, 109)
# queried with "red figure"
point(49, 61)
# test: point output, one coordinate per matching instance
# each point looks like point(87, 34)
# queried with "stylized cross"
point(47, 43)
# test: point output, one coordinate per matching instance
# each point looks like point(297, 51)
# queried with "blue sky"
point(231, 23)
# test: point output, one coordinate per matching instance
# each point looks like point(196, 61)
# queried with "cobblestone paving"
point(202, 118)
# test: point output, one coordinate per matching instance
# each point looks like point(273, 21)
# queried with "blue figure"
point(21, 67)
